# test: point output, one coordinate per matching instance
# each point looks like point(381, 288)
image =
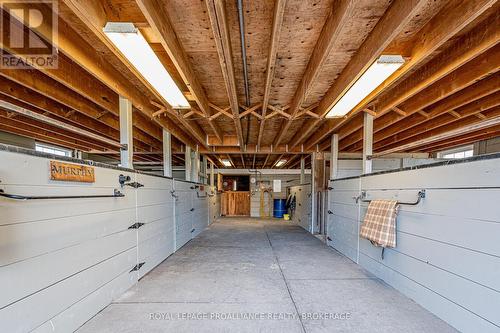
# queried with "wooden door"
point(235, 203)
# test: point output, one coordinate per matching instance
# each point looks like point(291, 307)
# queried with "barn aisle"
point(254, 275)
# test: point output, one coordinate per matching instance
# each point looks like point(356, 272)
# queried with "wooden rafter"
point(279, 10)
point(158, 19)
point(78, 50)
point(462, 126)
point(452, 18)
point(462, 78)
point(339, 15)
point(217, 14)
point(93, 15)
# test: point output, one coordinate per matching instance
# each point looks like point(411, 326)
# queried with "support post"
point(167, 153)
point(195, 164)
point(204, 169)
point(334, 156)
point(126, 135)
point(367, 143)
point(212, 175)
point(302, 170)
point(188, 161)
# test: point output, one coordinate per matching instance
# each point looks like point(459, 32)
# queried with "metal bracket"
point(192, 210)
point(137, 267)
point(330, 188)
point(173, 194)
point(330, 212)
point(193, 230)
point(124, 147)
point(124, 179)
point(136, 225)
point(328, 238)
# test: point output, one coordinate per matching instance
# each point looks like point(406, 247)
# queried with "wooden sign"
point(71, 172)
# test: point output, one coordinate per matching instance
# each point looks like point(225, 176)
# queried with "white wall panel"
point(62, 261)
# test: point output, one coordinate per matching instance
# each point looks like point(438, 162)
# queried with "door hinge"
point(136, 225)
point(137, 267)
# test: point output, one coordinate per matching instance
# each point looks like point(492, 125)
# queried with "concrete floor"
point(242, 267)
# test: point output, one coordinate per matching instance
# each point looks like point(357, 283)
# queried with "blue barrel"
point(279, 208)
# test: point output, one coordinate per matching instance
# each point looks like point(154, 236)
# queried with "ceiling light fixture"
point(129, 40)
point(280, 163)
point(226, 163)
point(373, 77)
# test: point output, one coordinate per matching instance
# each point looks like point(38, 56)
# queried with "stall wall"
point(303, 202)
point(448, 250)
point(62, 261)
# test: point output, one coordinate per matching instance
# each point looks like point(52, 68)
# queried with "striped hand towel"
point(379, 225)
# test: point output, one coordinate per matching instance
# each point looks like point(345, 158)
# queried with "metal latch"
point(124, 179)
point(137, 267)
point(136, 225)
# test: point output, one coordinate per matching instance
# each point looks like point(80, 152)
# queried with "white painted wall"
point(62, 261)
point(448, 247)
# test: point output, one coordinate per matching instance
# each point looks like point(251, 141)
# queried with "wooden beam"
point(388, 27)
point(464, 139)
point(470, 94)
point(486, 103)
point(107, 125)
point(94, 16)
point(217, 14)
point(279, 10)
point(78, 50)
point(452, 18)
point(159, 20)
point(462, 126)
point(341, 12)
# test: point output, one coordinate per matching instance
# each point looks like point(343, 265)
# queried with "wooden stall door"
point(235, 203)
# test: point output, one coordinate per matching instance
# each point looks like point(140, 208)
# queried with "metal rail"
point(116, 194)
point(420, 196)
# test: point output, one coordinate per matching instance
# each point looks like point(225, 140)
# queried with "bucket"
point(286, 217)
point(279, 208)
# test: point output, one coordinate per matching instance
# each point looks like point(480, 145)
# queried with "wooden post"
point(126, 135)
point(188, 162)
point(334, 156)
point(302, 170)
point(367, 143)
point(167, 154)
point(195, 165)
point(212, 175)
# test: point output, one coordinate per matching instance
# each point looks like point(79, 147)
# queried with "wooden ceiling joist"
point(158, 19)
point(340, 13)
point(78, 50)
point(93, 15)
point(217, 14)
point(484, 65)
point(452, 18)
point(279, 10)
point(389, 26)
point(107, 125)
point(462, 126)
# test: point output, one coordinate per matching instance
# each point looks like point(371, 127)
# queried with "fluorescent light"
point(129, 40)
point(226, 163)
point(280, 163)
point(377, 73)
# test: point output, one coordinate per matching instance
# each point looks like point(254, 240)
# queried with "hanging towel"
point(379, 225)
